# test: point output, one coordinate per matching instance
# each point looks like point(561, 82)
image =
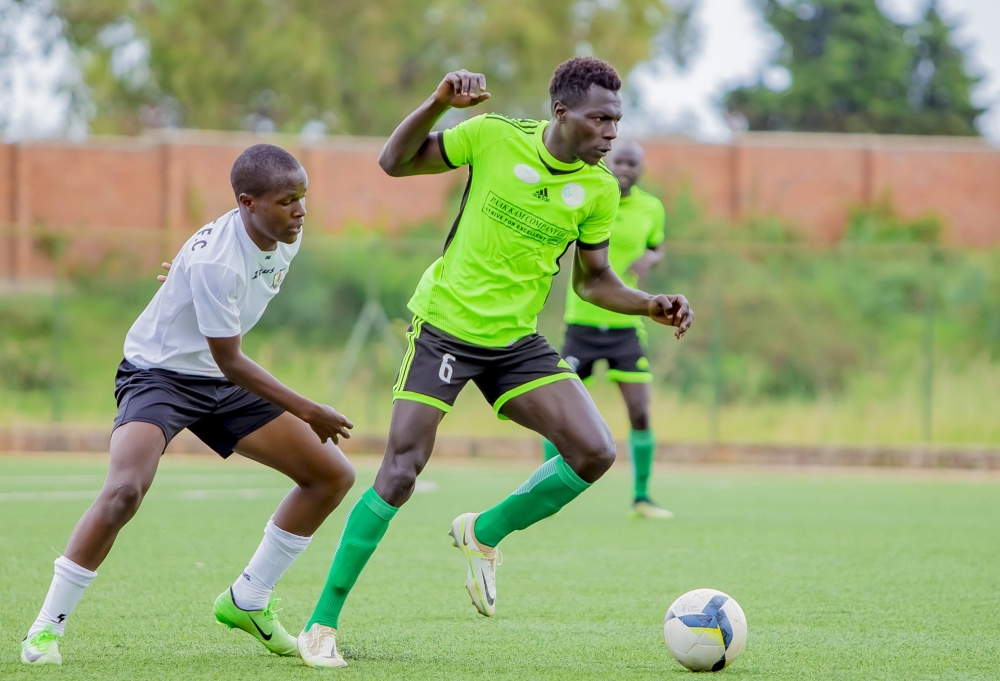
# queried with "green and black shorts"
point(437, 366)
point(623, 349)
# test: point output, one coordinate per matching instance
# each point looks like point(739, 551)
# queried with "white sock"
point(65, 591)
point(276, 553)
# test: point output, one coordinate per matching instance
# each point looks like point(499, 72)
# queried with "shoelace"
point(271, 610)
point(45, 637)
point(497, 559)
point(323, 645)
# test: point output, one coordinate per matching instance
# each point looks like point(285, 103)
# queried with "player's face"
point(626, 163)
point(280, 212)
point(592, 125)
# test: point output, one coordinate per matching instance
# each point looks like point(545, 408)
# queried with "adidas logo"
point(542, 194)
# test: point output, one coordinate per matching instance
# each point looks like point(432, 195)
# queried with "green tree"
point(939, 83)
point(356, 65)
point(853, 69)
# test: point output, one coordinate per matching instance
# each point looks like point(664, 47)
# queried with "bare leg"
point(565, 414)
point(321, 472)
point(637, 402)
point(411, 439)
point(642, 447)
point(135, 453)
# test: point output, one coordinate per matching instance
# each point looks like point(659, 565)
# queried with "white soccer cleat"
point(42, 647)
point(646, 508)
point(318, 647)
point(481, 564)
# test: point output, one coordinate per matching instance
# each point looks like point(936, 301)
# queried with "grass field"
point(843, 575)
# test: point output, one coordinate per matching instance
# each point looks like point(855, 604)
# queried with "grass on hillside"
point(850, 575)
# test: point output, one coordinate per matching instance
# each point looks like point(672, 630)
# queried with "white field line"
point(184, 494)
point(192, 478)
point(422, 487)
point(48, 496)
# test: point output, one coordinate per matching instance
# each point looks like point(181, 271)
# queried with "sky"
point(735, 45)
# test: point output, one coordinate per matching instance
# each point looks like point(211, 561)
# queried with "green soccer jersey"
point(521, 210)
point(638, 226)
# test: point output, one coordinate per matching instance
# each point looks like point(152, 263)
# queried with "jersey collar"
point(551, 163)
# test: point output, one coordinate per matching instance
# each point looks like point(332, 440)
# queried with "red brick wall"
point(7, 213)
point(158, 189)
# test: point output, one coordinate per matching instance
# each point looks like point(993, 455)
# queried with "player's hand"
point(328, 423)
point(462, 89)
point(162, 277)
point(672, 310)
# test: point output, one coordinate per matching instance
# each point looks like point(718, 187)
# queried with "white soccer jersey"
point(218, 287)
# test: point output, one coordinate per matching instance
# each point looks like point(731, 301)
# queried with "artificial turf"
point(849, 575)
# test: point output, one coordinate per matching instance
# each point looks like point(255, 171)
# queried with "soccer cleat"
point(263, 625)
point(481, 563)
point(318, 647)
point(647, 508)
point(42, 647)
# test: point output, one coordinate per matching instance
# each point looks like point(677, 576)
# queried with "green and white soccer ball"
point(705, 630)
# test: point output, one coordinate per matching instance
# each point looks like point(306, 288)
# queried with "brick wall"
point(158, 189)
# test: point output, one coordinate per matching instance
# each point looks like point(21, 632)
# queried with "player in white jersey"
point(184, 368)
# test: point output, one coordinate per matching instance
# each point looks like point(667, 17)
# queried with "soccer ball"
point(705, 630)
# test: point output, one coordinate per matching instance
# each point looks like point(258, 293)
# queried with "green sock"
point(643, 447)
point(548, 489)
point(549, 450)
point(365, 527)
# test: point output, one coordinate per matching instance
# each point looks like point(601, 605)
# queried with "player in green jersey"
point(534, 188)
point(594, 333)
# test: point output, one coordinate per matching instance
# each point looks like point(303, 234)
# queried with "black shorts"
point(437, 366)
point(217, 411)
point(622, 348)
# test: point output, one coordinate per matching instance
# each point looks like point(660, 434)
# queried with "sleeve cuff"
point(218, 333)
point(592, 247)
point(444, 154)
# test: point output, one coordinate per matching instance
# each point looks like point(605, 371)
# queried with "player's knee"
point(331, 482)
point(397, 480)
point(121, 502)
point(406, 455)
point(602, 452)
point(341, 480)
point(404, 474)
point(590, 455)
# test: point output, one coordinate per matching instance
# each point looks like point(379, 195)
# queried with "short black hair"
point(573, 78)
point(254, 171)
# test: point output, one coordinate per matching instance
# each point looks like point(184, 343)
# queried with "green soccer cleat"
point(263, 625)
point(41, 647)
point(647, 508)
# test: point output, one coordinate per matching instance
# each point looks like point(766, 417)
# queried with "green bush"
point(880, 224)
point(777, 318)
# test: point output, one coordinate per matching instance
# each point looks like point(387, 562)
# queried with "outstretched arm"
point(244, 372)
point(412, 149)
point(597, 283)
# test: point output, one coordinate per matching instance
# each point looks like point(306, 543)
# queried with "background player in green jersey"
point(534, 188)
point(594, 333)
